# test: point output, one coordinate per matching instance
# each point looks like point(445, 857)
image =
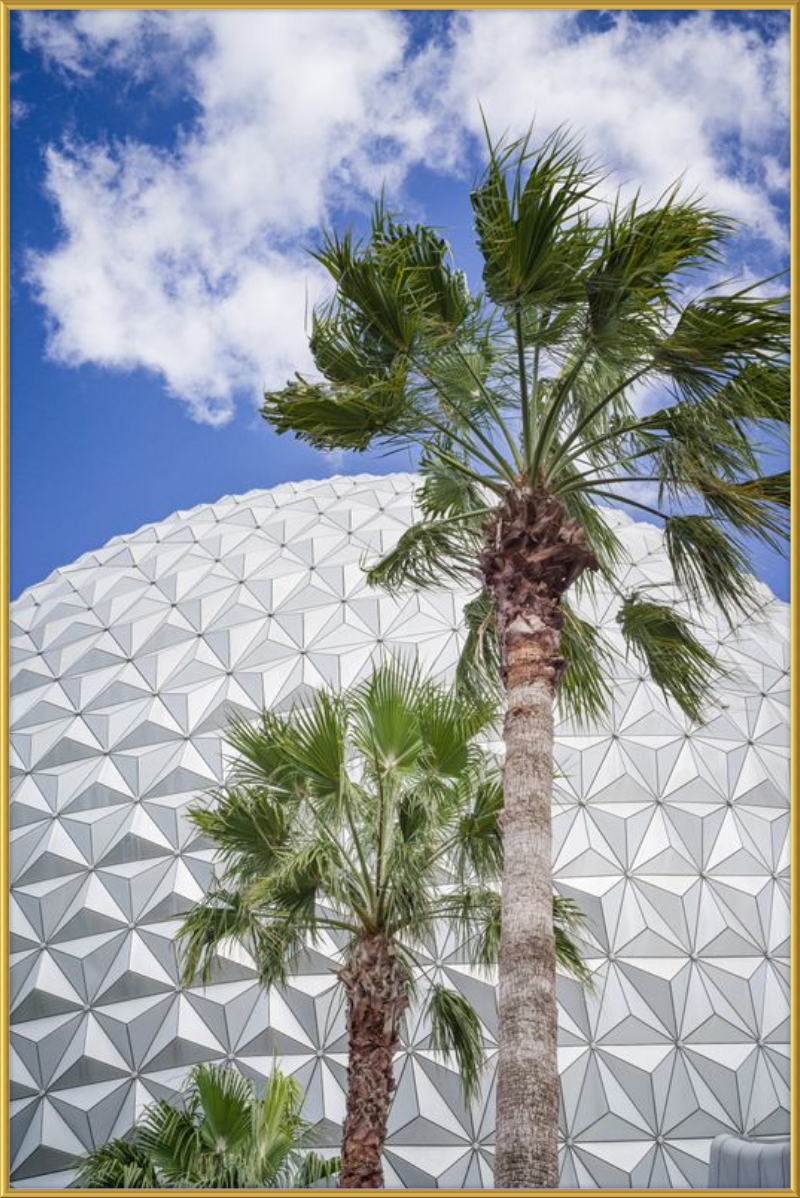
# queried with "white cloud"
point(19, 111)
point(118, 38)
point(654, 102)
point(189, 262)
point(777, 177)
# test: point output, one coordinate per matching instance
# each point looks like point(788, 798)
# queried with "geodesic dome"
point(673, 838)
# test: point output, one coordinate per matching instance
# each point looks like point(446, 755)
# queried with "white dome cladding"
point(673, 839)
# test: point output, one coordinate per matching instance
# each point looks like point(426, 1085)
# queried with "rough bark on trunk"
point(527, 1076)
point(532, 553)
point(376, 984)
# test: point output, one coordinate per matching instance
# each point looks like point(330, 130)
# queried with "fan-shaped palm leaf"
point(224, 1136)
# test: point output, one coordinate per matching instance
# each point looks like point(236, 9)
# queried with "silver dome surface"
point(673, 838)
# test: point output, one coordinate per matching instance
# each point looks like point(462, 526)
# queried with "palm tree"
point(591, 367)
point(347, 817)
point(223, 1136)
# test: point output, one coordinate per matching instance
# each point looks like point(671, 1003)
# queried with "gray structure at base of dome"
point(673, 838)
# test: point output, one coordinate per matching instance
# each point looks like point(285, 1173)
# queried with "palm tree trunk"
point(527, 1070)
point(532, 553)
point(376, 984)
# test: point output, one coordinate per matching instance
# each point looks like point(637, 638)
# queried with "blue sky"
point(169, 169)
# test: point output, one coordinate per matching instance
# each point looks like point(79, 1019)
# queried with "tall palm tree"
point(346, 817)
point(223, 1136)
point(592, 367)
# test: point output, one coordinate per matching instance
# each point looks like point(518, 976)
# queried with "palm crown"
point(371, 816)
point(529, 392)
point(223, 1136)
point(369, 813)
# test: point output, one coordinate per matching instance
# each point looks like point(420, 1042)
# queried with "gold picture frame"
point(6, 8)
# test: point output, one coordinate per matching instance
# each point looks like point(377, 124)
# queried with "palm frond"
point(317, 744)
point(221, 918)
point(716, 337)
point(760, 391)
point(225, 1098)
point(604, 543)
point(169, 1137)
point(381, 302)
point(707, 562)
point(330, 416)
point(770, 488)
point(222, 1136)
point(533, 235)
point(343, 355)
point(281, 941)
point(475, 914)
point(699, 443)
point(646, 253)
point(460, 377)
point(279, 760)
point(261, 751)
point(247, 825)
point(389, 290)
point(758, 507)
point(271, 936)
point(290, 894)
point(584, 692)
point(315, 1169)
point(450, 724)
point(445, 493)
point(427, 553)
point(478, 671)
point(385, 727)
point(678, 662)
point(456, 1032)
point(117, 1165)
point(568, 919)
point(421, 259)
point(278, 1134)
point(478, 839)
point(567, 913)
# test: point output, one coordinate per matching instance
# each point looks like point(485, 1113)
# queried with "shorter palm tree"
point(222, 1136)
point(372, 816)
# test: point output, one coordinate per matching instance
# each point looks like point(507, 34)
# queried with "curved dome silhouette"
point(125, 668)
